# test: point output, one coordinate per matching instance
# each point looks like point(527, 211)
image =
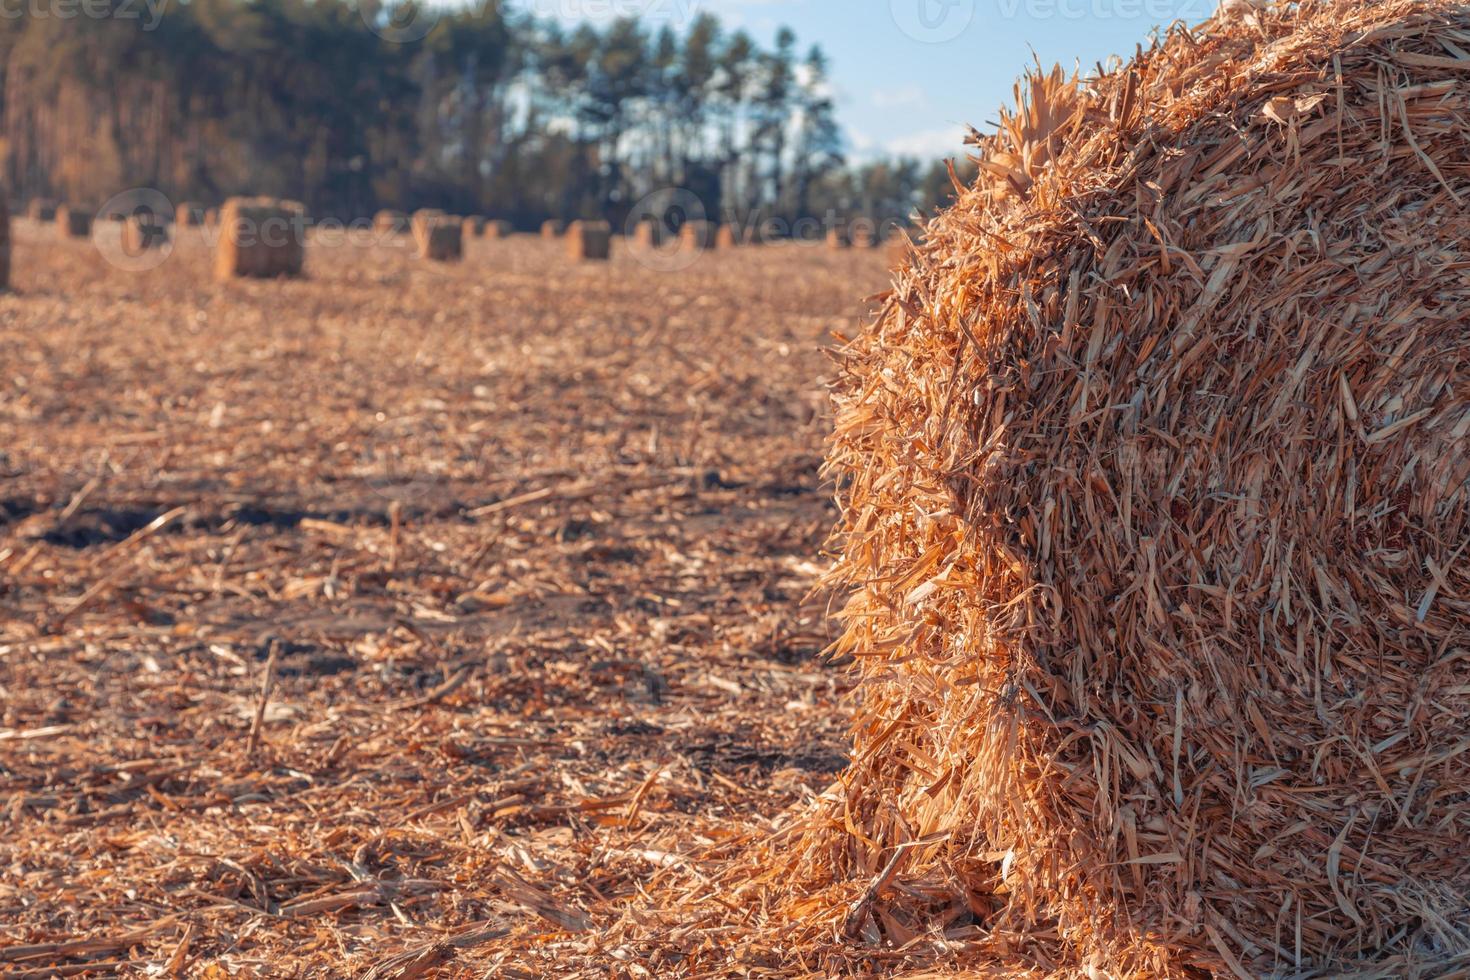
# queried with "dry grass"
point(400, 603)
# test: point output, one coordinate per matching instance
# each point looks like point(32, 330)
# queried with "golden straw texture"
point(1153, 472)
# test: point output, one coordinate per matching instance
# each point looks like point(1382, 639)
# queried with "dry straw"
point(553, 229)
point(837, 239)
point(728, 236)
point(73, 221)
point(589, 240)
point(260, 237)
point(1154, 474)
point(499, 229)
point(474, 226)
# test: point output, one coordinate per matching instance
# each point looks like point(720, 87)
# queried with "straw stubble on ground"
point(400, 614)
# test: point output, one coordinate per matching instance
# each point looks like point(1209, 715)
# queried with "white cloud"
point(903, 97)
point(926, 144)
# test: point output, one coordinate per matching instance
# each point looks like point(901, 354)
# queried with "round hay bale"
point(499, 229)
point(698, 235)
point(388, 222)
point(553, 228)
point(419, 224)
point(42, 209)
point(74, 221)
point(1155, 481)
point(442, 238)
point(648, 234)
point(474, 226)
point(589, 241)
point(260, 237)
point(144, 231)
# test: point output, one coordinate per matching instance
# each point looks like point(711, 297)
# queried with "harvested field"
point(402, 602)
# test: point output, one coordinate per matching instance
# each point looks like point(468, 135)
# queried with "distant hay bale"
point(1154, 473)
point(142, 232)
point(648, 234)
point(837, 239)
point(260, 237)
point(74, 221)
point(589, 240)
point(441, 238)
point(211, 217)
point(388, 222)
point(499, 228)
point(728, 236)
point(697, 235)
point(419, 223)
point(189, 214)
point(553, 228)
point(474, 226)
point(42, 209)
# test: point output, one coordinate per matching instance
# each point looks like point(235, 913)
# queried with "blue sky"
point(909, 74)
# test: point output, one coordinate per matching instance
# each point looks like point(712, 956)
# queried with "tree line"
point(491, 111)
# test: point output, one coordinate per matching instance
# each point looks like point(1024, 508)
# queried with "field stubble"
point(516, 550)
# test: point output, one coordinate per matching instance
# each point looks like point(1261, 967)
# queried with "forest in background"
point(494, 112)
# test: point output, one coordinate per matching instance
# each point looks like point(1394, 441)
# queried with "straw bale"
point(728, 236)
point(837, 239)
point(474, 226)
point(420, 222)
point(42, 209)
point(388, 222)
point(1155, 483)
point(499, 229)
point(142, 232)
point(442, 238)
point(589, 240)
point(697, 234)
point(553, 228)
point(211, 217)
point(260, 237)
point(648, 233)
point(74, 221)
